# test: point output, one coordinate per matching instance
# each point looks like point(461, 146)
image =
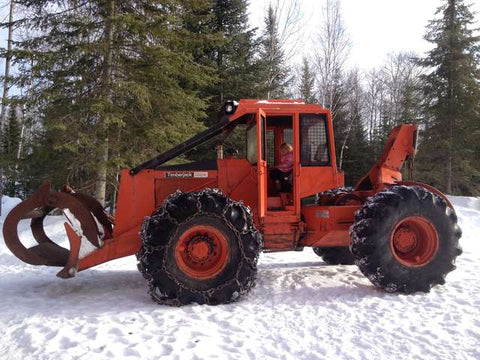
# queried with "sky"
point(376, 27)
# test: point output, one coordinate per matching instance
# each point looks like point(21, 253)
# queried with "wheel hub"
point(414, 241)
point(202, 252)
point(404, 240)
point(200, 249)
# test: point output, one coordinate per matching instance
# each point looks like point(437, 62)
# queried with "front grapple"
point(87, 226)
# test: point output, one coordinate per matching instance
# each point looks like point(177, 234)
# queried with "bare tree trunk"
point(5, 90)
point(332, 52)
point(448, 180)
point(451, 95)
point(101, 182)
point(340, 163)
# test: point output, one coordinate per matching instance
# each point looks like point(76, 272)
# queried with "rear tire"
point(338, 197)
point(335, 255)
point(199, 247)
point(405, 239)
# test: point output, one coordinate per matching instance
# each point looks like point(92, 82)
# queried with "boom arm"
point(183, 147)
point(401, 145)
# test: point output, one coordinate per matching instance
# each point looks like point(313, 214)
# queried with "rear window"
point(314, 149)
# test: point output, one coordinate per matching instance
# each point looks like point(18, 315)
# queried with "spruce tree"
point(112, 82)
point(235, 58)
point(307, 83)
point(354, 154)
point(358, 157)
point(11, 143)
point(11, 139)
point(275, 73)
point(452, 91)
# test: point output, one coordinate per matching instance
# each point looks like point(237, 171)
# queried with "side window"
point(264, 145)
point(252, 144)
point(288, 136)
point(270, 147)
point(237, 141)
point(314, 150)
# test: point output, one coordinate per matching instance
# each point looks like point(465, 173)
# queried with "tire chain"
point(146, 249)
point(332, 193)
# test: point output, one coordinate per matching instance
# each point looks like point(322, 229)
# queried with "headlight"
point(230, 106)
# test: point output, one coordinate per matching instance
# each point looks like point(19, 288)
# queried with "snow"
point(300, 309)
point(8, 203)
point(280, 102)
point(86, 247)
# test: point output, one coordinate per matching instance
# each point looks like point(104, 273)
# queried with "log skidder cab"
point(198, 228)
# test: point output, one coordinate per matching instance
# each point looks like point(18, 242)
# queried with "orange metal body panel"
point(311, 179)
point(237, 179)
point(118, 247)
point(136, 199)
point(328, 225)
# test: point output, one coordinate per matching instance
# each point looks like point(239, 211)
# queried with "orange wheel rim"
point(414, 241)
point(202, 252)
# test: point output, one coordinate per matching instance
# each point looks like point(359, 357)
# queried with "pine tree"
point(452, 91)
point(113, 83)
point(11, 139)
point(274, 70)
point(354, 154)
point(11, 142)
point(235, 60)
point(307, 83)
point(358, 158)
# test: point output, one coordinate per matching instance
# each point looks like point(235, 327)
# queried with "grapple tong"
point(87, 227)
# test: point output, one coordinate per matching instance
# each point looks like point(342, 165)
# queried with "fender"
point(429, 188)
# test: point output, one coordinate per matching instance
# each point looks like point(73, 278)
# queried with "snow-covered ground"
point(300, 309)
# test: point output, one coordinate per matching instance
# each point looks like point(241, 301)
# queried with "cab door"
point(261, 163)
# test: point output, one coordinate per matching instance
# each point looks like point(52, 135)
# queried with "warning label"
point(200, 174)
point(322, 214)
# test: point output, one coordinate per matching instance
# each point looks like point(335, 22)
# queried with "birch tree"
point(332, 49)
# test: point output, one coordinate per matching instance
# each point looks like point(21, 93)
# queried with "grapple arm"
point(86, 223)
point(401, 146)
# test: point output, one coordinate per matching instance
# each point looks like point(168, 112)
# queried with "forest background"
point(97, 86)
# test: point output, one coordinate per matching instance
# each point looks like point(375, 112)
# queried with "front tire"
point(405, 239)
point(199, 247)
